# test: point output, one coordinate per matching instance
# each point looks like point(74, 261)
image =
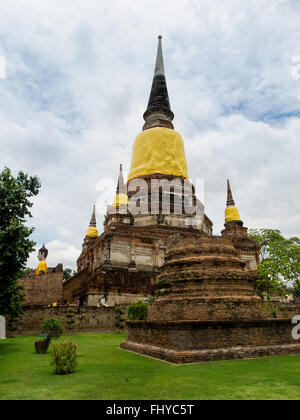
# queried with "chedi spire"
point(93, 222)
point(230, 201)
point(231, 213)
point(121, 188)
point(92, 231)
point(121, 194)
point(158, 113)
point(159, 149)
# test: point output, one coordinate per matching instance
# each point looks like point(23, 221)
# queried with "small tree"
point(70, 319)
point(15, 245)
point(64, 357)
point(13, 298)
point(280, 264)
point(68, 273)
point(138, 311)
point(119, 318)
point(53, 329)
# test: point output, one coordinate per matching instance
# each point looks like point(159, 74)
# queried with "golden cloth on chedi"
point(158, 150)
point(232, 214)
point(92, 232)
point(120, 199)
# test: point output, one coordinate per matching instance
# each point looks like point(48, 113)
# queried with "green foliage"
point(119, 318)
point(68, 273)
point(70, 318)
point(64, 357)
point(52, 328)
point(280, 263)
point(15, 245)
point(150, 299)
point(295, 291)
point(138, 311)
point(13, 298)
point(24, 272)
point(265, 237)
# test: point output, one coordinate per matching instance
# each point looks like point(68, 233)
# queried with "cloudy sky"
point(75, 78)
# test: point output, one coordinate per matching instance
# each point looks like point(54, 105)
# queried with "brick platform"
point(198, 341)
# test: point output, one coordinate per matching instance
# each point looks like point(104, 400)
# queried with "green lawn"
point(103, 367)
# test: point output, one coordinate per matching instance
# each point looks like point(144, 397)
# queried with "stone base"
point(181, 357)
point(201, 341)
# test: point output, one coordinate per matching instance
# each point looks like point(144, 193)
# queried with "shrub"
point(52, 328)
point(64, 357)
point(138, 311)
point(70, 319)
point(119, 318)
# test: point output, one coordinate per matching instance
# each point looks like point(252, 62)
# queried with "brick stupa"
point(206, 308)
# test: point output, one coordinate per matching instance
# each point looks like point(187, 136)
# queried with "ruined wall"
point(75, 286)
point(196, 341)
point(88, 319)
point(119, 286)
point(44, 289)
point(114, 299)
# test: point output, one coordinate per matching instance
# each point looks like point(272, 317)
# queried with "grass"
point(103, 367)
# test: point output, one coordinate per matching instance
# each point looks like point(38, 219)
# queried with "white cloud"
point(262, 165)
point(296, 67)
point(78, 79)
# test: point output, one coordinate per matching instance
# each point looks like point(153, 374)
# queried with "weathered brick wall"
point(88, 319)
point(44, 289)
point(195, 341)
point(197, 335)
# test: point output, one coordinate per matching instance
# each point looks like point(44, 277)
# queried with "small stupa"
point(92, 231)
point(121, 198)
